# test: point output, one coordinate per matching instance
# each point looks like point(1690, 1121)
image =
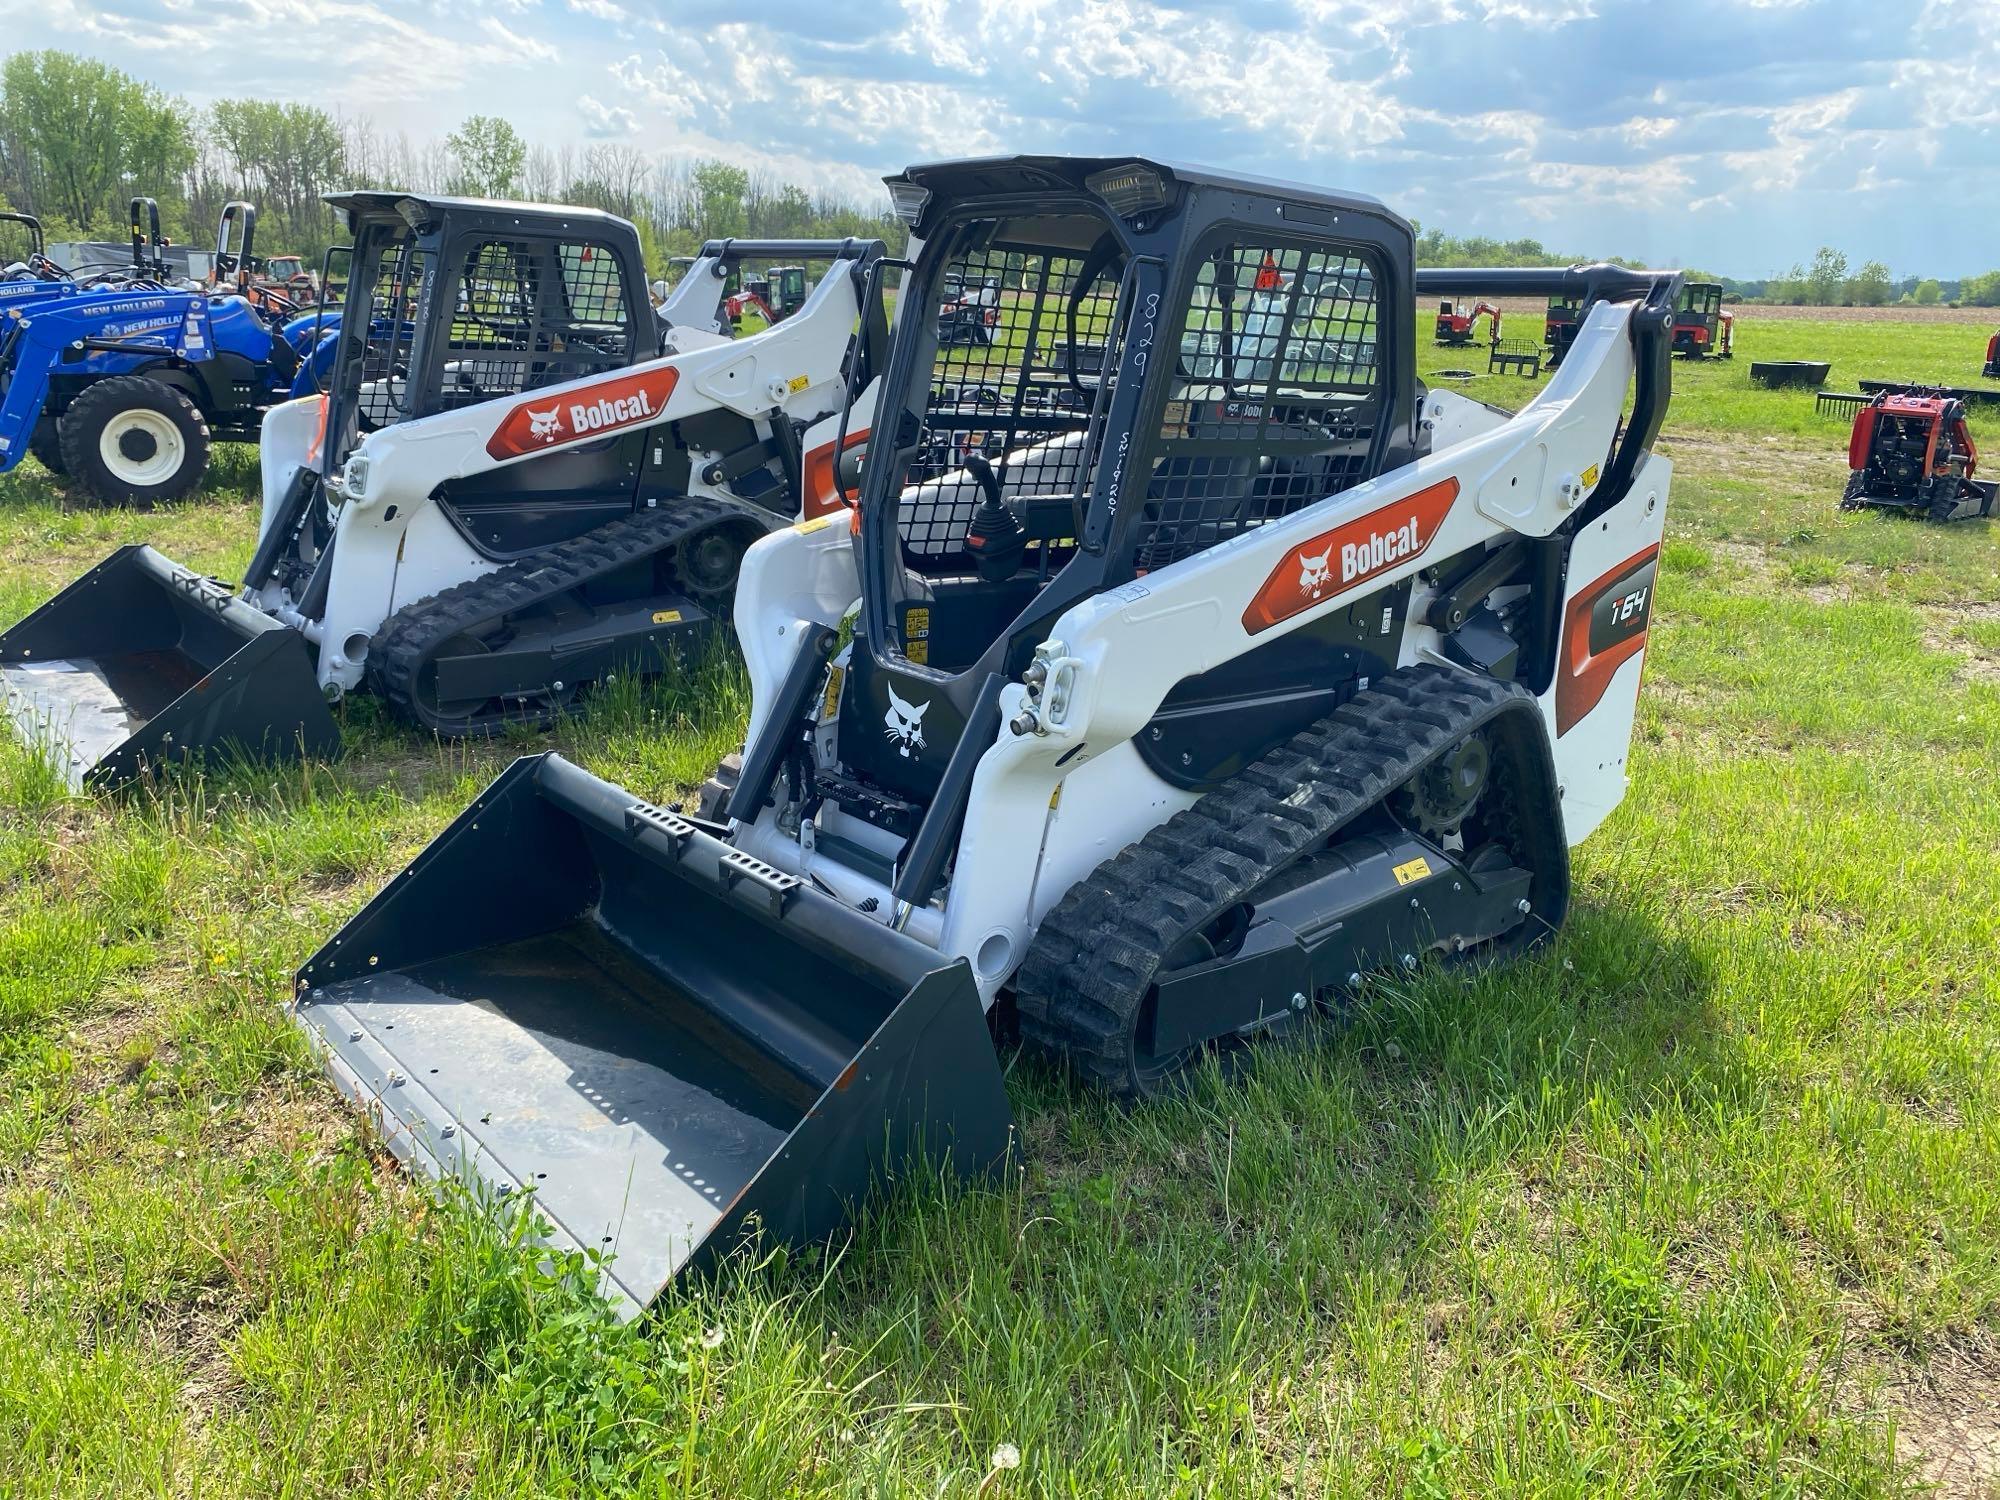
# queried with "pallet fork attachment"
point(671, 1044)
point(141, 662)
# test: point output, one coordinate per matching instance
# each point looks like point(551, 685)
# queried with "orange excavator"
point(1455, 325)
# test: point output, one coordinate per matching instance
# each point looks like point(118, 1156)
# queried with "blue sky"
point(1736, 135)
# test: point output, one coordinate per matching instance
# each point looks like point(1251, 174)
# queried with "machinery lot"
point(1702, 1196)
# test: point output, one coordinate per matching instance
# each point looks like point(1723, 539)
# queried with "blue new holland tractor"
point(122, 386)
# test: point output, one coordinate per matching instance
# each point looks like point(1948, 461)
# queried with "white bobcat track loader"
point(1150, 706)
point(520, 479)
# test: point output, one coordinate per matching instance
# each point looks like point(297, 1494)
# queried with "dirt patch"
point(1947, 1417)
point(1532, 308)
point(1941, 633)
point(1987, 316)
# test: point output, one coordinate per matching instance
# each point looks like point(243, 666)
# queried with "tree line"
point(79, 139)
point(1829, 281)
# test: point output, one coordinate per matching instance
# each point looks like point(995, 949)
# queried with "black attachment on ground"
point(1515, 357)
point(671, 1044)
point(1779, 374)
point(141, 661)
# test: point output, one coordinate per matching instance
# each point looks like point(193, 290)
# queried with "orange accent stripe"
point(823, 494)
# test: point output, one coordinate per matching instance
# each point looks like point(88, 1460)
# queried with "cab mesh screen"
point(1276, 400)
point(398, 281)
point(531, 313)
point(1024, 338)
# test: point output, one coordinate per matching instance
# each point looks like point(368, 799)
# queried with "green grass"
point(1715, 397)
point(1691, 1203)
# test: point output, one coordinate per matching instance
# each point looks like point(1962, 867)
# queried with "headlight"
point(908, 200)
point(1130, 190)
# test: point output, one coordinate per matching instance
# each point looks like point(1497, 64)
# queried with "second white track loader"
point(519, 479)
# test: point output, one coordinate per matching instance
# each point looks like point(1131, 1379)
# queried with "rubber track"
point(415, 631)
point(1091, 964)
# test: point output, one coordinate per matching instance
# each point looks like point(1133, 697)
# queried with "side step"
point(670, 1043)
point(141, 662)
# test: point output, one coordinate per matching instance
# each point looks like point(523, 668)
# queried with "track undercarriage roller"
point(1234, 915)
point(523, 644)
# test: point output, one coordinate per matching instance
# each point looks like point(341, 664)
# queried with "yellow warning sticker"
point(919, 652)
point(1590, 476)
point(817, 523)
point(831, 704)
point(798, 383)
point(666, 617)
point(917, 625)
point(1413, 869)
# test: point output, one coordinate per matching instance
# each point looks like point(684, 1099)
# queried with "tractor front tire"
point(46, 445)
point(134, 441)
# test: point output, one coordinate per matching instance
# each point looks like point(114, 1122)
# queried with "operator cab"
point(1012, 475)
point(452, 301)
point(455, 301)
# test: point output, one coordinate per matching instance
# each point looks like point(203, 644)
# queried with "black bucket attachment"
point(670, 1043)
point(141, 661)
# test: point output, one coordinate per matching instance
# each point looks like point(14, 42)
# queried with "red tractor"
point(1455, 325)
point(1701, 327)
point(1911, 451)
point(1992, 370)
point(1560, 326)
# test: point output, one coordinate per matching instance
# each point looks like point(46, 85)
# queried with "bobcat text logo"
point(1344, 558)
point(609, 413)
point(1313, 573)
point(602, 407)
point(905, 725)
point(1377, 550)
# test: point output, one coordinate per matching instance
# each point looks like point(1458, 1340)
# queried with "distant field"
point(1716, 396)
point(1530, 309)
point(1704, 1200)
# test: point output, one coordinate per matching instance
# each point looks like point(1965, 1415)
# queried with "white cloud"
point(1746, 145)
point(602, 121)
point(526, 48)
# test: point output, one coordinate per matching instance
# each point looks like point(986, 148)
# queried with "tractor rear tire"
point(134, 441)
point(46, 445)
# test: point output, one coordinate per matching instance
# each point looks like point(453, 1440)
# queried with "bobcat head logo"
point(1313, 573)
point(905, 725)
point(545, 425)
